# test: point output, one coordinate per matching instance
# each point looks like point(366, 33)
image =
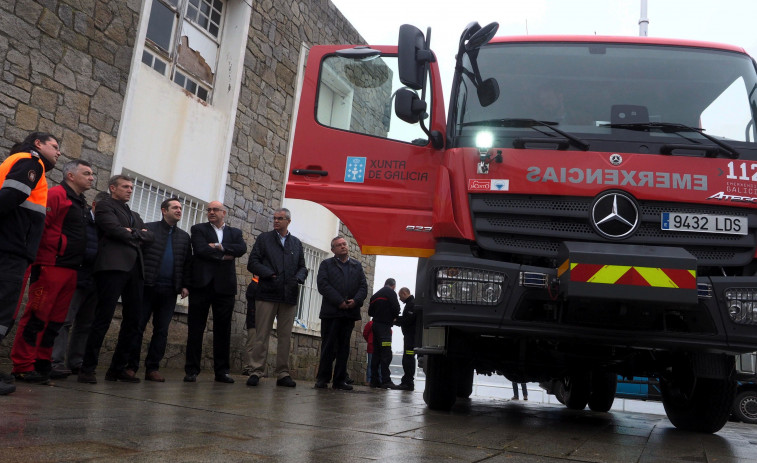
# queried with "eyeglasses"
point(280, 218)
point(214, 209)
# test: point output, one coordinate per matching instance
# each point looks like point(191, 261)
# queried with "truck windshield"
point(602, 93)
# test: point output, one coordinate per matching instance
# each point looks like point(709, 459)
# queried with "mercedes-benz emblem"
point(615, 215)
point(616, 159)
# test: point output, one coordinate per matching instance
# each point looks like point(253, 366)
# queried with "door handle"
point(322, 173)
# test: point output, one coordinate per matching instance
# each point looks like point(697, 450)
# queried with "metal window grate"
point(309, 305)
point(148, 194)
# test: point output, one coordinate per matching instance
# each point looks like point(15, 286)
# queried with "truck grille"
point(536, 225)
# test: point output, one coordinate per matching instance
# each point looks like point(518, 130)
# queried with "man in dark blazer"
point(118, 272)
point(278, 259)
point(341, 282)
point(215, 245)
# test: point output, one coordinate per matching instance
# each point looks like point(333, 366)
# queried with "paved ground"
point(207, 421)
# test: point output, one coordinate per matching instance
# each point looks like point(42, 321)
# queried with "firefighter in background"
point(23, 198)
point(384, 308)
point(407, 323)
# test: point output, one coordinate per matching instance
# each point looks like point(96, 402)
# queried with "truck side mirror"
point(408, 107)
point(488, 92)
point(413, 56)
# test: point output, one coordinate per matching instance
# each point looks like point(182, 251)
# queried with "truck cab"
point(584, 209)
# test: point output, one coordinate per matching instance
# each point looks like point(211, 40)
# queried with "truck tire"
point(464, 375)
point(745, 407)
point(603, 385)
point(440, 391)
point(703, 406)
point(577, 390)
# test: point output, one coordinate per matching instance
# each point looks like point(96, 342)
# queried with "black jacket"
point(182, 254)
point(335, 288)
point(118, 248)
point(407, 320)
point(208, 265)
point(281, 269)
point(84, 274)
point(385, 306)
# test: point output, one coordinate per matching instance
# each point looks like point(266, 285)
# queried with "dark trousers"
point(72, 339)
point(515, 389)
point(12, 270)
point(382, 351)
point(335, 344)
point(110, 285)
point(408, 361)
point(159, 303)
point(200, 301)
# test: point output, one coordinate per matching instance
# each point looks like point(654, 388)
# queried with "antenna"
point(643, 21)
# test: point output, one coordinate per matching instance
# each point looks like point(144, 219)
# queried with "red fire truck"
point(586, 208)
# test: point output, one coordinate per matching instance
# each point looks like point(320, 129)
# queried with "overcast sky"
point(726, 21)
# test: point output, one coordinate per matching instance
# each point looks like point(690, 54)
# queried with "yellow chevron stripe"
point(564, 267)
point(656, 277)
point(609, 274)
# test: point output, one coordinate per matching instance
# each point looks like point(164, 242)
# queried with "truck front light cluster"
point(468, 286)
point(742, 305)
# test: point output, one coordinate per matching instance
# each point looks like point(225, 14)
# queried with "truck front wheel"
point(701, 405)
point(441, 383)
point(745, 407)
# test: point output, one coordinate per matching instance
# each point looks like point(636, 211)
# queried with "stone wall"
point(65, 66)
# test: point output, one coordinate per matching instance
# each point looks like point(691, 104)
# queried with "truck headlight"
point(742, 305)
point(468, 286)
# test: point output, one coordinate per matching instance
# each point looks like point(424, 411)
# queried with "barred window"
point(183, 39)
point(310, 299)
point(149, 194)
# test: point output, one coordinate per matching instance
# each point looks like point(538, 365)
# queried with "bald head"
point(216, 213)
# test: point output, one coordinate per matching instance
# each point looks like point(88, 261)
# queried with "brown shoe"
point(154, 376)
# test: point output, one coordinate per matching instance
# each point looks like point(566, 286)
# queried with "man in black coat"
point(215, 245)
point(167, 261)
point(278, 259)
point(407, 323)
point(118, 272)
point(384, 308)
point(341, 282)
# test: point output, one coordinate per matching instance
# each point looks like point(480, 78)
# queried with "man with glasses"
point(279, 261)
point(215, 245)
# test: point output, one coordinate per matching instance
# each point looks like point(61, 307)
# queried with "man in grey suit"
point(118, 272)
point(215, 245)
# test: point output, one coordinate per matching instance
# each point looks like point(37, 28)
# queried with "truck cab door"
point(354, 156)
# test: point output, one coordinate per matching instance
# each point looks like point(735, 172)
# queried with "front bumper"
point(621, 314)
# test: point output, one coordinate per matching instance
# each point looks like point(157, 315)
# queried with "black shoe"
point(405, 387)
point(87, 378)
point(253, 380)
point(127, 376)
point(6, 388)
point(32, 377)
point(286, 381)
point(224, 378)
point(6, 378)
point(60, 373)
point(342, 386)
point(321, 384)
point(375, 384)
point(388, 385)
point(349, 380)
point(190, 378)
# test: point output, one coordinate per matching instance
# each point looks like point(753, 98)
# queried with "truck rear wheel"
point(701, 405)
point(577, 390)
point(745, 407)
point(441, 385)
point(603, 385)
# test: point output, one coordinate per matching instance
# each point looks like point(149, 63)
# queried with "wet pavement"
point(208, 421)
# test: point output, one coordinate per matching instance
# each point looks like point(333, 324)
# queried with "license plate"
point(704, 223)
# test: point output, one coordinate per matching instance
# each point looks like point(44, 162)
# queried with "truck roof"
point(616, 39)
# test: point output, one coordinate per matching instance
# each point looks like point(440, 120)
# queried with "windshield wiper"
point(671, 127)
point(532, 123)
